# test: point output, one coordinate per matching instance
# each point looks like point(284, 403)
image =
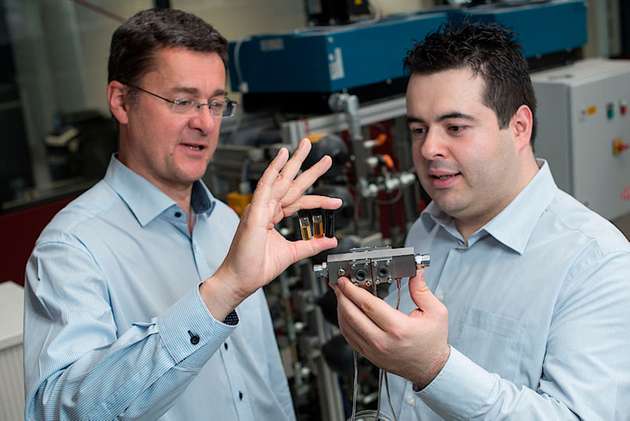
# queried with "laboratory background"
point(329, 70)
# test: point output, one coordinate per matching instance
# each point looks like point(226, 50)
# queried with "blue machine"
point(342, 58)
point(330, 59)
point(541, 28)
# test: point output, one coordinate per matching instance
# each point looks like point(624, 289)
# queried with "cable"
point(378, 396)
point(355, 385)
point(382, 374)
point(380, 383)
point(389, 398)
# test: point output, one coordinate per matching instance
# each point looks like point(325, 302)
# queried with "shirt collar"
point(514, 225)
point(432, 215)
point(145, 200)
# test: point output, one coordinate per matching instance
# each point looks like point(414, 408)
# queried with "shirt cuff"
point(187, 326)
point(461, 389)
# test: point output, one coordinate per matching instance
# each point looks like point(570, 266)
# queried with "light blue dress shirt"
point(539, 314)
point(115, 327)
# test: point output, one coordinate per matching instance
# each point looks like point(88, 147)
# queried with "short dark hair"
point(136, 41)
point(489, 50)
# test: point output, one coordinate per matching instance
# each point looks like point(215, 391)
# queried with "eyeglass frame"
point(195, 104)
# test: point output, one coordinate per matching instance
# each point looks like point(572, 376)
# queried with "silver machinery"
point(317, 360)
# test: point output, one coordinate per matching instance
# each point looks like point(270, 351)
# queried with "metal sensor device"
point(370, 267)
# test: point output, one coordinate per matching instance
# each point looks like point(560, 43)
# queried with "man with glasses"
point(143, 296)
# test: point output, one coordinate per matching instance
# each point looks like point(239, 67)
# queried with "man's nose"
point(433, 145)
point(203, 120)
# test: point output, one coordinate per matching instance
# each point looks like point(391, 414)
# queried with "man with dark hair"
point(143, 296)
point(524, 313)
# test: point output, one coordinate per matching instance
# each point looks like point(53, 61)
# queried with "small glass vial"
point(318, 225)
point(329, 223)
point(305, 228)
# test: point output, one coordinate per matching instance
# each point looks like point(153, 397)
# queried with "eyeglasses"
point(218, 107)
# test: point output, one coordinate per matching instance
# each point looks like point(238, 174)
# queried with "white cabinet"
point(11, 369)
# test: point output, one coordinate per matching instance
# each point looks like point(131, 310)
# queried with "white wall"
point(388, 7)
point(95, 35)
point(239, 18)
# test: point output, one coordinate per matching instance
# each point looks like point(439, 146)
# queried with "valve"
point(619, 146)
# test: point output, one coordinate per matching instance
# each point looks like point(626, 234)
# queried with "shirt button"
point(240, 395)
point(194, 338)
point(225, 345)
point(410, 400)
point(178, 214)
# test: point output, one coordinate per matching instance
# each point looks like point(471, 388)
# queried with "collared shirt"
point(539, 314)
point(115, 327)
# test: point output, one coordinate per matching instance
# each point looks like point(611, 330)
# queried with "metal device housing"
point(369, 267)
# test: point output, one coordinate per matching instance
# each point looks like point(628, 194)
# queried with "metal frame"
point(295, 130)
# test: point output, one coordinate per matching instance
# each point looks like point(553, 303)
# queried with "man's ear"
point(117, 98)
point(521, 125)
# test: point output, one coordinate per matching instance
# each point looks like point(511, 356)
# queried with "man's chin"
point(192, 173)
point(187, 179)
point(450, 207)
